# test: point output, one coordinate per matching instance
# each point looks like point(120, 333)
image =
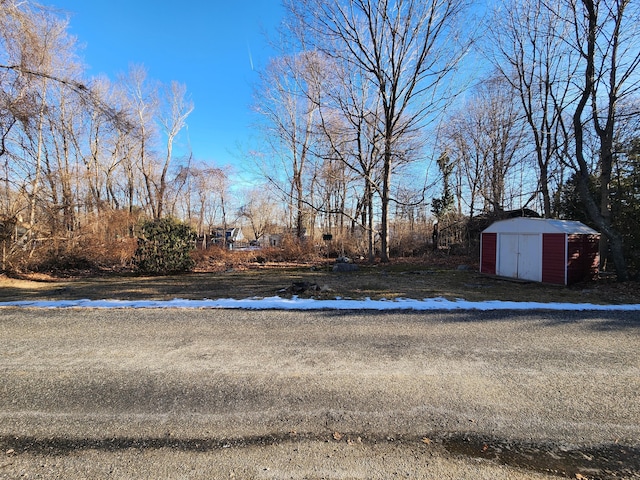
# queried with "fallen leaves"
point(337, 436)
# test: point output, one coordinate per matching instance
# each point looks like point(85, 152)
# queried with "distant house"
point(542, 250)
point(13, 228)
point(229, 236)
point(270, 240)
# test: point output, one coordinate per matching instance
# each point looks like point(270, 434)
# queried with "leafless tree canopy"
point(392, 97)
point(401, 54)
point(374, 119)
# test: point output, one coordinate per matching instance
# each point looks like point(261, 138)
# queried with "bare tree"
point(349, 123)
point(485, 138)
point(606, 39)
point(528, 48)
point(289, 117)
point(107, 150)
point(260, 211)
point(71, 149)
point(143, 105)
point(209, 187)
point(406, 47)
point(35, 51)
point(173, 120)
point(61, 162)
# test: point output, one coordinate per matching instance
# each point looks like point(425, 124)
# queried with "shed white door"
point(520, 256)
point(507, 255)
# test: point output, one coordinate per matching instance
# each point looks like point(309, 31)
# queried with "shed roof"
point(539, 225)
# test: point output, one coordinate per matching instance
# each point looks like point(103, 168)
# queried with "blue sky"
point(210, 46)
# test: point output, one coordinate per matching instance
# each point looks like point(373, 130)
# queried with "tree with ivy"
point(164, 246)
point(440, 206)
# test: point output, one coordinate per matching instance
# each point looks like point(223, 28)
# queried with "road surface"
point(122, 393)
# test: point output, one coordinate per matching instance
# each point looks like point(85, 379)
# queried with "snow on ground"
point(279, 303)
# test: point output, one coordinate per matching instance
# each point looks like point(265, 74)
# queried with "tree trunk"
point(385, 197)
point(368, 208)
point(35, 184)
point(600, 214)
point(544, 188)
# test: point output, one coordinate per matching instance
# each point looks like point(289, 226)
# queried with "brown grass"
point(223, 274)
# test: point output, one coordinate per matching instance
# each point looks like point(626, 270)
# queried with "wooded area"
point(387, 124)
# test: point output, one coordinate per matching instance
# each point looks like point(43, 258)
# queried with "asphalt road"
point(284, 394)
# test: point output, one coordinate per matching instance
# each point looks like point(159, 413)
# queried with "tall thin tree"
point(407, 49)
point(609, 59)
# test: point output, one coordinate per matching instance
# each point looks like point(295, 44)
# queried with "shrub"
point(164, 246)
point(296, 249)
point(219, 258)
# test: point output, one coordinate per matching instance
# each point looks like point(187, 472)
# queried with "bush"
point(219, 258)
point(296, 249)
point(164, 246)
point(88, 254)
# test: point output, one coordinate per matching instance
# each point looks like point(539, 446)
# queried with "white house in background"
point(270, 240)
point(230, 236)
point(542, 250)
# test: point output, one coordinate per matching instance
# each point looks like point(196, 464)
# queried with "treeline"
point(83, 160)
point(379, 118)
point(380, 111)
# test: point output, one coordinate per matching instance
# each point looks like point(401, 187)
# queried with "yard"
point(448, 277)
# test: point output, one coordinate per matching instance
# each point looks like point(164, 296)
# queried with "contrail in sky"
point(250, 56)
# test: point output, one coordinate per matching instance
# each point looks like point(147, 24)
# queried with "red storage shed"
point(542, 250)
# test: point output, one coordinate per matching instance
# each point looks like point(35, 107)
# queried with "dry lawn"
point(407, 278)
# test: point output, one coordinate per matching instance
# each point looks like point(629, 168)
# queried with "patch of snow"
point(295, 303)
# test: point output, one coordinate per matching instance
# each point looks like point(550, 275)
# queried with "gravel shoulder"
point(324, 394)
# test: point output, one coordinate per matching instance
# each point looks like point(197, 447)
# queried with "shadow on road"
point(589, 319)
point(595, 462)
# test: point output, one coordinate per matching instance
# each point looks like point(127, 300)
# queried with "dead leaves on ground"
point(337, 436)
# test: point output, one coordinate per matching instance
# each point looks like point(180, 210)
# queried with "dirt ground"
point(310, 395)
